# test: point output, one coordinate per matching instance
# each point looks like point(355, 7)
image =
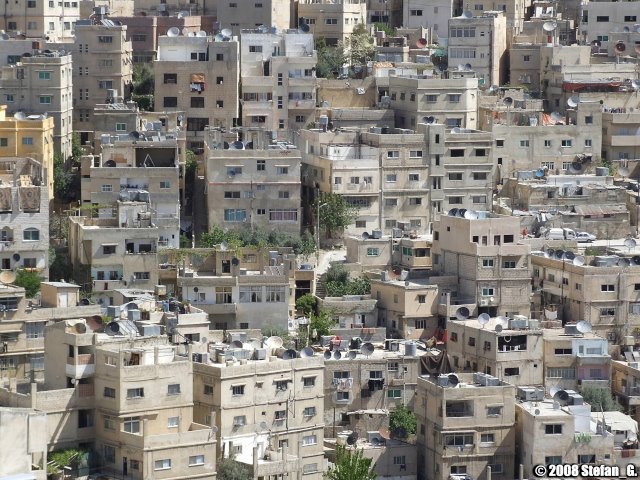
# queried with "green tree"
point(143, 79)
point(383, 27)
point(231, 469)
point(350, 465)
point(337, 282)
point(59, 266)
point(402, 422)
point(69, 457)
point(28, 280)
point(599, 399)
point(61, 178)
point(306, 304)
point(330, 59)
point(360, 46)
point(320, 324)
point(76, 148)
point(335, 213)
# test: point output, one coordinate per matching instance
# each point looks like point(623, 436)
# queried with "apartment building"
point(334, 21)
point(24, 452)
point(268, 410)
point(40, 83)
point(173, 7)
point(24, 216)
point(431, 99)
point(625, 382)
point(118, 247)
point(513, 352)
point(549, 432)
point(34, 19)
point(528, 139)
point(602, 18)
point(619, 139)
point(479, 44)
point(253, 182)
point(515, 12)
point(466, 423)
point(198, 76)
point(102, 68)
point(355, 316)
point(433, 15)
point(278, 80)
point(23, 326)
point(602, 292)
point(573, 359)
point(275, 14)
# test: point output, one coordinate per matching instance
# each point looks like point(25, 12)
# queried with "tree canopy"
point(350, 465)
point(402, 422)
point(599, 399)
point(257, 237)
point(337, 282)
point(28, 280)
point(231, 469)
point(335, 213)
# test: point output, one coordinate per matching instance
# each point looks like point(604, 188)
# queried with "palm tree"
point(350, 465)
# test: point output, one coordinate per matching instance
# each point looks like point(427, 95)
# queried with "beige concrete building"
point(619, 134)
point(252, 182)
point(24, 216)
point(479, 44)
point(174, 7)
point(278, 80)
point(24, 452)
point(625, 382)
point(356, 316)
point(23, 327)
point(433, 15)
point(492, 268)
point(30, 137)
point(602, 18)
point(551, 434)
point(515, 12)
point(573, 360)
point(198, 76)
point(464, 430)
point(102, 68)
point(514, 354)
point(333, 20)
point(50, 20)
point(275, 14)
point(268, 411)
point(41, 84)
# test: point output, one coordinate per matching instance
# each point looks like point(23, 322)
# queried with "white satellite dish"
point(508, 101)
point(483, 319)
point(173, 32)
point(573, 101)
point(578, 261)
point(584, 327)
point(630, 243)
point(219, 37)
point(466, 14)
point(226, 32)
point(498, 328)
point(635, 84)
point(623, 171)
point(549, 26)
point(201, 33)
point(20, 116)
point(556, 117)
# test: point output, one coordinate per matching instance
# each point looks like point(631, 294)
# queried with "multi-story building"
point(490, 264)
point(433, 15)
point(23, 326)
point(50, 20)
point(268, 410)
point(553, 433)
point(601, 18)
point(198, 76)
point(573, 359)
point(278, 80)
point(601, 291)
point(625, 382)
point(515, 13)
point(40, 83)
point(31, 137)
point(450, 101)
point(334, 21)
point(274, 14)
point(116, 247)
point(253, 182)
point(619, 139)
point(102, 68)
point(466, 423)
point(23, 454)
point(355, 315)
point(479, 44)
point(513, 352)
point(174, 7)
point(24, 216)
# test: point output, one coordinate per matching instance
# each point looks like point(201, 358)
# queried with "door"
point(124, 466)
point(63, 300)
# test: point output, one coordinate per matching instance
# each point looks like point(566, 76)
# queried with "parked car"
point(585, 237)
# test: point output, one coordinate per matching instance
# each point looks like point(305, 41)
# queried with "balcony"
point(80, 366)
point(219, 308)
point(85, 390)
point(275, 466)
point(596, 359)
point(106, 285)
point(302, 81)
point(261, 107)
point(449, 310)
point(625, 140)
point(302, 104)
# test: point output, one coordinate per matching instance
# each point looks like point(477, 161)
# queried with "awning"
point(197, 78)
point(600, 209)
point(10, 331)
point(108, 244)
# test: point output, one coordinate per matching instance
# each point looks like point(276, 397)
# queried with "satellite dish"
point(539, 173)
point(134, 135)
point(7, 277)
point(196, 289)
point(508, 101)
point(304, 27)
point(80, 328)
point(561, 396)
point(498, 328)
point(214, 429)
point(429, 119)
point(556, 117)
point(596, 43)
point(453, 212)
point(462, 313)
point(573, 101)
point(237, 145)
point(307, 352)
point(551, 252)
point(568, 255)
point(327, 355)
point(263, 28)
point(236, 344)
point(421, 43)
point(113, 328)
point(290, 354)
point(636, 28)
point(224, 246)
point(367, 349)
point(274, 342)
point(264, 426)
point(16, 257)
point(559, 254)
point(352, 355)
point(337, 355)
point(584, 327)
point(462, 212)
point(235, 262)
point(623, 262)
point(620, 47)
point(549, 26)
point(468, 67)
point(626, 29)
point(226, 32)
point(554, 390)
point(483, 319)
point(456, 130)
point(365, 236)
point(635, 260)
point(623, 171)
point(466, 14)
point(494, 89)
point(352, 439)
point(575, 167)
point(20, 116)
point(536, 411)
point(453, 379)
point(173, 32)
point(219, 37)
point(201, 33)
point(204, 340)
point(630, 243)
point(578, 261)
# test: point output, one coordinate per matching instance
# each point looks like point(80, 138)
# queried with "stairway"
point(320, 290)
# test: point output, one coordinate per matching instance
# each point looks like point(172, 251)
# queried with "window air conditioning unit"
point(484, 302)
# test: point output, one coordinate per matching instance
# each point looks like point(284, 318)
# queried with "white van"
point(569, 234)
point(554, 234)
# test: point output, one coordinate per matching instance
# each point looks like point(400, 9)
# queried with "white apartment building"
point(52, 20)
point(479, 44)
point(515, 12)
point(332, 20)
point(239, 15)
point(278, 80)
point(604, 21)
point(430, 14)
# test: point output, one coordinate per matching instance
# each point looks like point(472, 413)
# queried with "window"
point(237, 390)
point(135, 393)
point(164, 464)
point(462, 32)
point(431, 98)
point(108, 249)
point(196, 460)
point(283, 194)
point(31, 234)
point(479, 175)
point(390, 178)
point(275, 294)
point(602, 18)
point(607, 288)
point(567, 143)
point(164, 184)
point(309, 381)
point(173, 389)
point(553, 429)
point(309, 468)
point(509, 264)
point(524, 143)
point(492, 411)
point(472, 341)
point(487, 438)
point(415, 13)
point(109, 453)
point(455, 200)
point(331, 21)
point(309, 440)
point(553, 460)
point(342, 396)
point(283, 214)
point(255, 48)
point(373, 252)
point(173, 422)
point(121, 127)
point(454, 98)
point(414, 177)
point(282, 170)
point(131, 425)
point(567, 373)
point(105, 39)
point(44, 75)
point(415, 201)
point(455, 176)
point(422, 299)
point(309, 412)
point(487, 262)
point(35, 330)
point(458, 440)
point(513, 371)
point(108, 422)
point(239, 421)
point(478, 199)
point(208, 390)
point(27, 140)
point(630, 18)
point(588, 142)
point(235, 215)
point(109, 392)
point(395, 393)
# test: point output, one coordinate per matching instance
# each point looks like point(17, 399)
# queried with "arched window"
point(31, 234)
